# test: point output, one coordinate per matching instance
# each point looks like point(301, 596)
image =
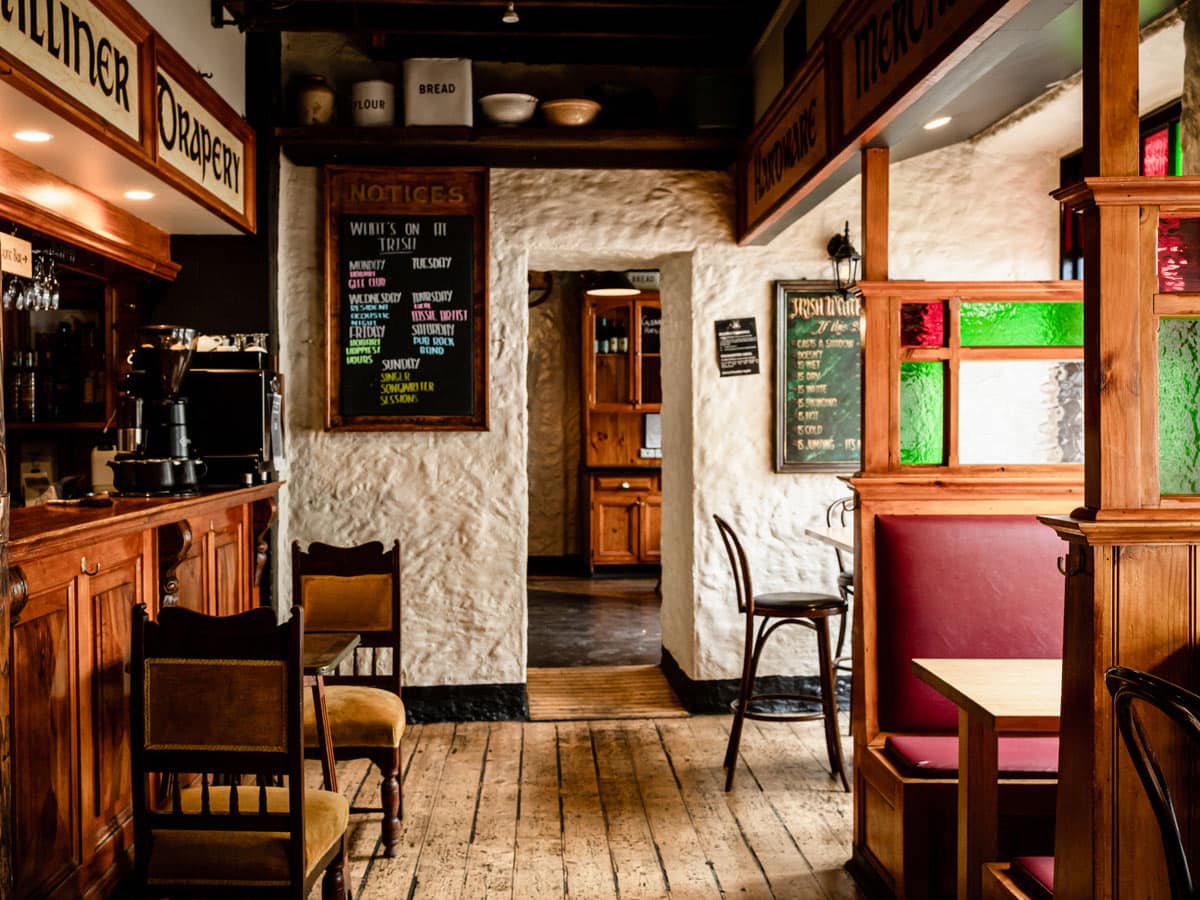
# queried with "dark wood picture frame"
point(844, 362)
point(379, 191)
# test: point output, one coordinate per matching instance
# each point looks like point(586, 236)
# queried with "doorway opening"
point(595, 486)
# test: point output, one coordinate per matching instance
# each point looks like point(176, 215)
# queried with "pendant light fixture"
point(510, 16)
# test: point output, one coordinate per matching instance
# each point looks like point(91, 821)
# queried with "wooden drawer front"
point(96, 559)
point(625, 482)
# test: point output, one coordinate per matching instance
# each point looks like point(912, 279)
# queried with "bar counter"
point(38, 530)
point(75, 574)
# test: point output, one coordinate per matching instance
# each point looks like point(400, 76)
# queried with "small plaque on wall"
point(818, 381)
point(406, 299)
point(737, 346)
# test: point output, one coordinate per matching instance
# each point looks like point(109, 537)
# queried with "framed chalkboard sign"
point(406, 299)
point(818, 378)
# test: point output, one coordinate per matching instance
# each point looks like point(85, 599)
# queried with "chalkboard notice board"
point(818, 383)
point(406, 299)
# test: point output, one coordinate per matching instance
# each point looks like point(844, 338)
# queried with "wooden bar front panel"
point(44, 740)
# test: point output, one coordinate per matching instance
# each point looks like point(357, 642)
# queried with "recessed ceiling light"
point(49, 196)
point(139, 195)
point(33, 137)
point(937, 123)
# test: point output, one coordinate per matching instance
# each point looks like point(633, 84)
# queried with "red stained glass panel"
point(923, 325)
point(1156, 152)
point(1178, 255)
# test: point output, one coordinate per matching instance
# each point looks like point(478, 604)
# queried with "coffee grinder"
point(154, 449)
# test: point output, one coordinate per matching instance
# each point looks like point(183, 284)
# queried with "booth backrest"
point(959, 586)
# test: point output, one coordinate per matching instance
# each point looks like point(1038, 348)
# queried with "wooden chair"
point(222, 696)
point(358, 589)
point(775, 610)
point(1182, 707)
point(840, 513)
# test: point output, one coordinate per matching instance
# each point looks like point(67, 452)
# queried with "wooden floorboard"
point(600, 692)
point(618, 809)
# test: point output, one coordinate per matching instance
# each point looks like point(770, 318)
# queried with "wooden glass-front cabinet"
point(622, 392)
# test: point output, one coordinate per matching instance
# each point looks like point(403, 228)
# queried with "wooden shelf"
point(53, 425)
point(517, 147)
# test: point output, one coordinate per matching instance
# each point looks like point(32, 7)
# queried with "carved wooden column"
point(174, 543)
point(263, 512)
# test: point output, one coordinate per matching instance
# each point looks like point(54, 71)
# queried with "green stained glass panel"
point(1021, 324)
point(1179, 406)
point(922, 401)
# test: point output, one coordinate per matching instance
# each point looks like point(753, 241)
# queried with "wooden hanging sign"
point(99, 65)
point(406, 299)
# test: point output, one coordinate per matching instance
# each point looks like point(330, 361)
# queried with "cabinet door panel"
point(651, 528)
point(45, 847)
point(614, 529)
point(112, 595)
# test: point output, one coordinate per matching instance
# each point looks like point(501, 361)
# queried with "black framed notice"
point(737, 346)
point(818, 381)
point(406, 299)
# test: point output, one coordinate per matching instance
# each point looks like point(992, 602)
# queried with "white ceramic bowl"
point(508, 109)
point(575, 111)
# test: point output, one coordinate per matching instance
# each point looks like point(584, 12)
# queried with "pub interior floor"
point(593, 622)
point(606, 809)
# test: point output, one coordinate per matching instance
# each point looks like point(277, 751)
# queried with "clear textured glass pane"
point(923, 324)
point(1021, 324)
point(1020, 412)
point(921, 413)
point(1178, 254)
point(1179, 406)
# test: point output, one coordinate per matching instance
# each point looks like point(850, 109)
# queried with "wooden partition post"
point(875, 194)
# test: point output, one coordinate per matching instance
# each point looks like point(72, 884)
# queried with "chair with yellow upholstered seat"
point(221, 696)
point(357, 589)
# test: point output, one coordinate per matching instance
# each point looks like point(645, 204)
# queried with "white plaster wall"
point(187, 26)
point(553, 407)
point(459, 502)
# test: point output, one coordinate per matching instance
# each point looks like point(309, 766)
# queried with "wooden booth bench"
point(946, 586)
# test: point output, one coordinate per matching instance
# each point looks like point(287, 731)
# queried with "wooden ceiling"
point(683, 33)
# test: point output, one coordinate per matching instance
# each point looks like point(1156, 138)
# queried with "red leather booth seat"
point(936, 756)
point(959, 586)
point(1034, 875)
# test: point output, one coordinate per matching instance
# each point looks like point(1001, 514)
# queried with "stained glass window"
point(1021, 324)
point(1178, 254)
point(923, 325)
point(921, 413)
point(1179, 406)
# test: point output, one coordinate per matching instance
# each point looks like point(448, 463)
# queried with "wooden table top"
point(840, 536)
point(1013, 694)
point(324, 651)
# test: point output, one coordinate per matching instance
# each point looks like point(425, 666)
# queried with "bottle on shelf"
point(602, 336)
point(622, 339)
point(27, 408)
point(14, 385)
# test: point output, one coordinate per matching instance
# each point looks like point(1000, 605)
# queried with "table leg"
point(324, 741)
point(978, 802)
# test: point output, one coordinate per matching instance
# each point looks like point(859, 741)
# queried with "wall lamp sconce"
point(510, 16)
point(844, 258)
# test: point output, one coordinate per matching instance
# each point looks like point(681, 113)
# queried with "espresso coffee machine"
point(236, 410)
point(154, 449)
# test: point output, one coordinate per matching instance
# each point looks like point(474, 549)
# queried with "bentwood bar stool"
point(809, 610)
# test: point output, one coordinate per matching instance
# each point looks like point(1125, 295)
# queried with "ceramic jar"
point(372, 103)
point(315, 100)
